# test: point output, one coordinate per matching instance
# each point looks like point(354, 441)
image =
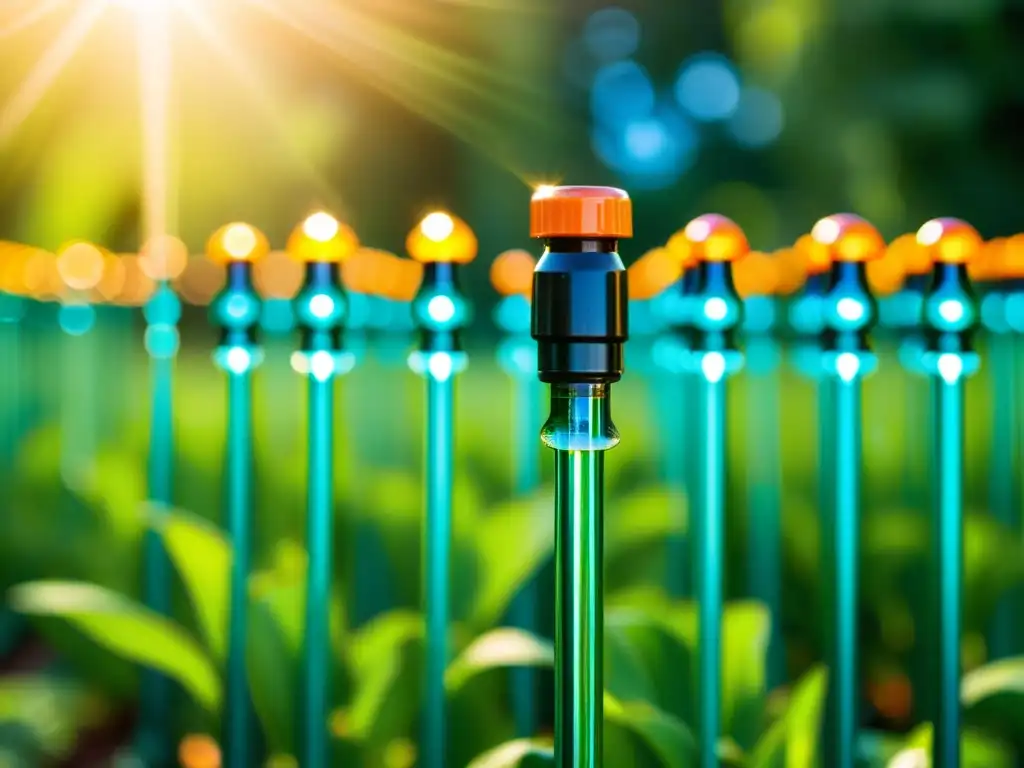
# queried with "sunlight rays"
point(347, 34)
point(48, 68)
point(243, 70)
point(34, 14)
point(154, 42)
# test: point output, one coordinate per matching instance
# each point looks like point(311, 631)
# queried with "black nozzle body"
point(580, 312)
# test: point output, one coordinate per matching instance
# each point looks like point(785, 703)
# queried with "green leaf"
point(503, 647)
point(504, 568)
point(993, 697)
point(527, 753)
point(273, 663)
point(385, 657)
point(794, 736)
point(202, 556)
point(667, 737)
point(977, 749)
point(127, 629)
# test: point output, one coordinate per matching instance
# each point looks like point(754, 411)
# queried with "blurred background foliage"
point(774, 113)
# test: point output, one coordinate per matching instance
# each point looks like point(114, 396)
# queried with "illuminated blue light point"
point(441, 309)
point(321, 305)
point(712, 365)
point(847, 366)
point(951, 310)
point(622, 92)
point(850, 310)
point(951, 367)
point(716, 309)
point(321, 364)
point(440, 366)
point(238, 359)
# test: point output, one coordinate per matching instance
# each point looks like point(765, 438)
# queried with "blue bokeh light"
point(621, 92)
point(611, 34)
point(708, 87)
point(758, 119)
point(651, 152)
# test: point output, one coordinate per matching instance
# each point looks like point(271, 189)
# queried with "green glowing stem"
point(526, 424)
point(765, 526)
point(844, 543)
point(710, 527)
point(579, 544)
point(1002, 640)
point(437, 556)
point(237, 717)
point(155, 703)
point(316, 668)
point(947, 551)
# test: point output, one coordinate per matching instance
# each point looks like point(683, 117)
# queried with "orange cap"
point(322, 238)
point(716, 238)
point(597, 212)
point(237, 242)
point(442, 237)
point(951, 241)
point(682, 249)
point(849, 238)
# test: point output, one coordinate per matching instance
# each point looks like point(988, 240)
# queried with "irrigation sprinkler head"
point(950, 313)
point(717, 311)
point(849, 308)
point(321, 306)
point(237, 309)
point(580, 289)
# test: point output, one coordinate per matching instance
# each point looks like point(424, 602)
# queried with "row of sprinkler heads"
point(81, 272)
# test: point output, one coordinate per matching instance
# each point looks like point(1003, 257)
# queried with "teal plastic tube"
point(947, 548)
point(765, 527)
point(845, 545)
point(155, 696)
point(437, 558)
point(237, 718)
point(1002, 482)
point(710, 545)
point(526, 425)
point(316, 672)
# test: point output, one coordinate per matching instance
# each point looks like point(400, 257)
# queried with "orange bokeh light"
point(756, 274)
point(914, 258)
point(278, 276)
point(80, 265)
point(201, 281)
point(138, 287)
point(792, 271)
point(512, 273)
point(237, 242)
point(652, 273)
point(112, 280)
point(163, 257)
point(816, 257)
point(199, 751)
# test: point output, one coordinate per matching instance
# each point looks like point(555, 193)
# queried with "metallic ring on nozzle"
point(580, 288)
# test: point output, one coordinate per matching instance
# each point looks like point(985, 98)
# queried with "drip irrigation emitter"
point(849, 313)
point(950, 318)
point(322, 243)
point(512, 277)
point(756, 278)
point(441, 242)
point(579, 321)
point(236, 312)
point(718, 312)
point(162, 312)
